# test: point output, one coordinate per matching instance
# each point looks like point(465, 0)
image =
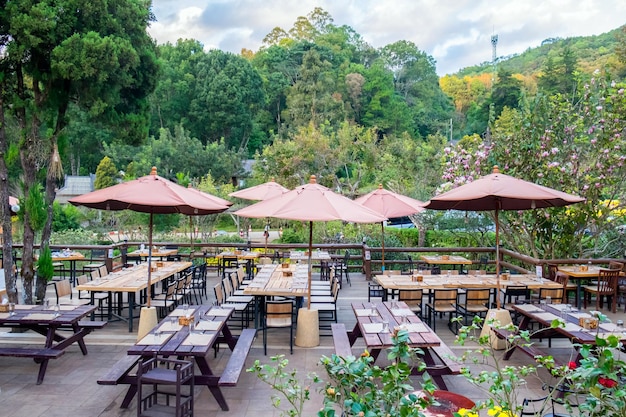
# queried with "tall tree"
point(229, 92)
point(95, 54)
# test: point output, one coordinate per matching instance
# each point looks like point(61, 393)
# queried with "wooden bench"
point(529, 349)
point(440, 361)
point(120, 373)
point(40, 355)
point(237, 359)
point(35, 353)
point(341, 340)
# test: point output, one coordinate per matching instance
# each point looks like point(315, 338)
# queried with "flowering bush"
point(601, 374)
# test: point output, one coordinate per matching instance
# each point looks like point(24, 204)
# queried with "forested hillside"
point(316, 98)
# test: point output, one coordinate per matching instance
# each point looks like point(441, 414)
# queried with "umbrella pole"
point(310, 267)
point(149, 288)
point(497, 262)
point(191, 236)
point(382, 229)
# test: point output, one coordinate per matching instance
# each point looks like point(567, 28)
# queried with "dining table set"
point(131, 281)
point(277, 280)
point(190, 333)
point(61, 325)
point(376, 323)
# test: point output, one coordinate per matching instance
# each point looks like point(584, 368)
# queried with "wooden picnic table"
point(237, 255)
point(545, 314)
point(156, 253)
point(277, 281)
point(48, 323)
point(446, 260)
point(393, 283)
point(71, 257)
point(370, 325)
point(176, 340)
point(131, 281)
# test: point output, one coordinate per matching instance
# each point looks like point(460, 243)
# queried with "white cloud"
point(455, 32)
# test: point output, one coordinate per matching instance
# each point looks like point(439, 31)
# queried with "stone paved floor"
point(70, 388)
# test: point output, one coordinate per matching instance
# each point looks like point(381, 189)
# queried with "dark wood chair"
point(606, 287)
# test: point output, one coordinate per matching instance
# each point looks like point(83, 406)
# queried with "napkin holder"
point(584, 268)
point(159, 264)
point(4, 308)
point(185, 321)
point(505, 276)
point(287, 273)
point(153, 267)
point(445, 257)
point(417, 278)
point(285, 265)
point(588, 323)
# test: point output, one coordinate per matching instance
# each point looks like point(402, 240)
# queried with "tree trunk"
point(7, 236)
point(42, 283)
point(30, 168)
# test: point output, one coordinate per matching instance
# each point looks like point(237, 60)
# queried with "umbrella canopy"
point(260, 192)
point(312, 202)
point(390, 205)
point(498, 191)
point(154, 195)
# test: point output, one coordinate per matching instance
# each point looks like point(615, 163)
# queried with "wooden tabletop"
point(545, 314)
point(397, 315)
point(276, 280)
point(26, 314)
point(445, 260)
point(576, 271)
point(176, 340)
point(133, 279)
point(316, 255)
point(158, 253)
point(405, 282)
point(247, 255)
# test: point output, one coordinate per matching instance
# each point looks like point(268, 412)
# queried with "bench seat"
point(529, 349)
point(120, 372)
point(341, 341)
point(35, 353)
point(237, 359)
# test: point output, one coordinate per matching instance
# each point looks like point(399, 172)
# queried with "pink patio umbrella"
point(311, 202)
point(496, 192)
point(390, 205)
point(260, 192)
point(154, 195)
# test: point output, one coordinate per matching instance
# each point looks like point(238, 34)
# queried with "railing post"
point(367, 262)
point(108, 258)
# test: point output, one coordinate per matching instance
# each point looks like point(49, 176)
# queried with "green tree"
point(312, 98)
point(228, 94)
point(95, 54)
point(106, 174)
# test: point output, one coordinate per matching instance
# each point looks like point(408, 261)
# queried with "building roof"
point(74, 186)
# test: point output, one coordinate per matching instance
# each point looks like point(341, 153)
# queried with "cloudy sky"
point(455, 32)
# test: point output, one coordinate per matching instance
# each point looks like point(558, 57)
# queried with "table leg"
point(205, 370)
point(430, 363)
point(131, 307)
